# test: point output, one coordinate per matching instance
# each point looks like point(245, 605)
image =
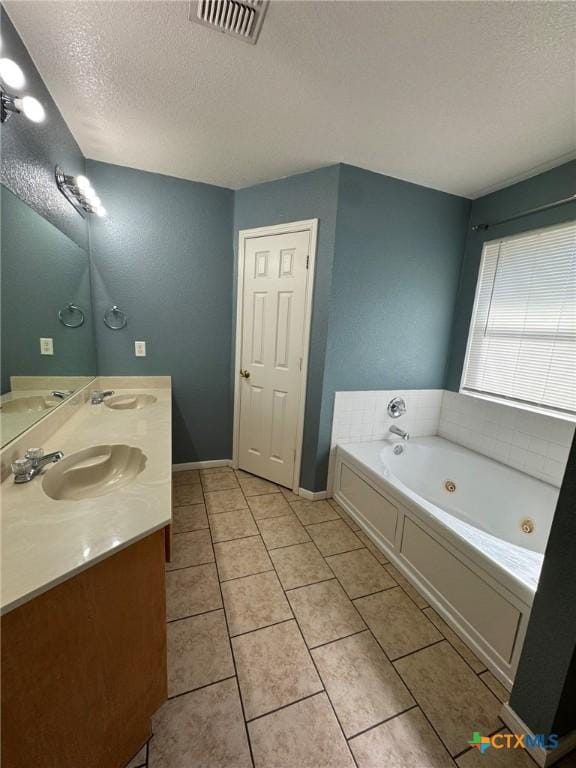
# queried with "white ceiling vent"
point(239, 18)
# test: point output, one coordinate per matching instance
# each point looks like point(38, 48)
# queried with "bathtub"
point(469, 532)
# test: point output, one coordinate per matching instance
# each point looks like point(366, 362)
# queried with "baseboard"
point(544, 757)
point(201, 465)
point(312, 495)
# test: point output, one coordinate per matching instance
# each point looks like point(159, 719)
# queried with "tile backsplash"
point(533, 443)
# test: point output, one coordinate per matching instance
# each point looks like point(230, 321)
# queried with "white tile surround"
point(533, 443)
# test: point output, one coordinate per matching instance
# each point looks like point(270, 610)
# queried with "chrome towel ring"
point(72, 316)
point(115, 318)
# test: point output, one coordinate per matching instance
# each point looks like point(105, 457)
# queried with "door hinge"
point(307, 261)
point(300, 363)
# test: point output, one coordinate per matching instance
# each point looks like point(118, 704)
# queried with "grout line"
point(266, 626)
point(429, 607)
point(285, 706)
point(193, 615)
point(201, 687)
point(333, 578)
point(337, 639)
point(246, 576)
point(386, 720)
point(226, 511)
point(234, 665)
point(411, 653)
point(191, 565)
point(318, 671)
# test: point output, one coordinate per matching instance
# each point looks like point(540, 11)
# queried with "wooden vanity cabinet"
point(84, 664)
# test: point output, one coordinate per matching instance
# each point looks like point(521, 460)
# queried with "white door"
point(273, 326)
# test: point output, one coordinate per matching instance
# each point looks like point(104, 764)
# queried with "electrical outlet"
point(140, 348)
point(46, 346)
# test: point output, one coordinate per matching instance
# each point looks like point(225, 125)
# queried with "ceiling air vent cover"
point(239, 18)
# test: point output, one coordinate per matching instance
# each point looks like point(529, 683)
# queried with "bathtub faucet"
point(400, 432)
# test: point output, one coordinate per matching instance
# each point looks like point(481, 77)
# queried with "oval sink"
point(93, 472)
point(32, 404)
point(129, 402)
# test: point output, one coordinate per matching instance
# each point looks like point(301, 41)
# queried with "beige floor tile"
point(324, 612)
point(369, 544)
point(288, 494)
point(282, 531)
point(216, 471)
point(232, 525)
point(274, 668)
point(309, 512)
point(192, 590)
point(406, 741)
point(397, 624)
point(504, 758)
point(454, 640)
point(453, 698)
point(360, 573)
point(193, 548)
point(219, 481)
point(139, 760)
point(495, 686)
point(334, 537)
point(254, 602)
point(187, 494)
point(300, 565)
point(202, 728)
point(253, 486)
point(225, 501)
point(242, 557)
point(186, 477)
point(362, 684)
point(268, 505)
point(191, 517)
point(344, 515)
point(303, 735)
point(198, 652)
point(411, 591)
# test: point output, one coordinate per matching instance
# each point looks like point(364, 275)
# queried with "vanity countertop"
point(45, 542)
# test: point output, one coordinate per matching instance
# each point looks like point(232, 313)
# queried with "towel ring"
point(71, 311)
point(115, 318)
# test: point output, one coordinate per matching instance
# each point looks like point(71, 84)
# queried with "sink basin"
point(31, 404)
point(93, 472)
point(129, 402)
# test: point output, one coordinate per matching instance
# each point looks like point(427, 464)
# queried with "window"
point(522, 338)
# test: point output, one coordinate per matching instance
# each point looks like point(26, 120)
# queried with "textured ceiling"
point(460, 96)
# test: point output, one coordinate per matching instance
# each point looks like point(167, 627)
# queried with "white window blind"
point(522, 339)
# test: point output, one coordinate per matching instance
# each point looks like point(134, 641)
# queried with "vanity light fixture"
point(79, 192)
point(12, 76)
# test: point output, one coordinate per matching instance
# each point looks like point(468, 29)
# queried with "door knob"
point(244, 374)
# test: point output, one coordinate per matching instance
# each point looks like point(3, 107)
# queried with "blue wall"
point(30, 151)
point(164, 255)
point(397, 261)
point(305, 196)
point(538, 190)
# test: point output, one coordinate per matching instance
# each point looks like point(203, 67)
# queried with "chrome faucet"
point(62, 394)
point(400, 432)
point(97, 396)
point(33, 463)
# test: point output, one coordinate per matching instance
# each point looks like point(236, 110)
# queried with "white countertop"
point(45, 542)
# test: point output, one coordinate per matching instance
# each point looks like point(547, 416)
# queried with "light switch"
point(140, 348)
point(46, 346)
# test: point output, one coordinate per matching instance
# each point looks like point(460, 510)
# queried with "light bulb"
point(95, 202)
point(11, 73)
point(31, 107)
point(91, 195)
point(100, 211)
point(83, 183)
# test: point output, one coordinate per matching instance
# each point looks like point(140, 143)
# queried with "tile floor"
point(292, 643)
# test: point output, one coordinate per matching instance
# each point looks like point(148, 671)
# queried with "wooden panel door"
point(274, 282)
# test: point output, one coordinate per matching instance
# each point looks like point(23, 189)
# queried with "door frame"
point(310, 226)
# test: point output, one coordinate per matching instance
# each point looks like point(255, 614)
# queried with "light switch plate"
point(140, 348)
point(46, 346)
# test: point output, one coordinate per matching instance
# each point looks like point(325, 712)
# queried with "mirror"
point(46, 296)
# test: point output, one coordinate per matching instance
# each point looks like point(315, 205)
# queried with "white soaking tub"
point(469, 532)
